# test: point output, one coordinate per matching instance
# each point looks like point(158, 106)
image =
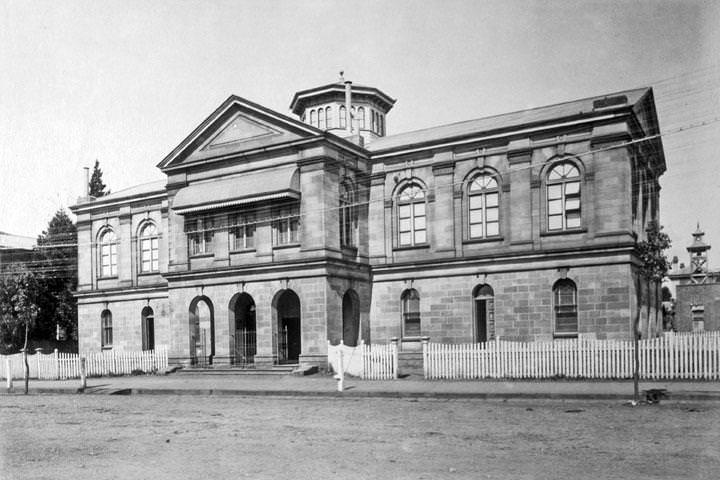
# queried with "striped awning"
point(240, 189)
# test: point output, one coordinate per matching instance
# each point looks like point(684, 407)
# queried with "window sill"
point(483, 240)
point(565, 335)
point(149, 274)
point(243, 250)
point(423, 246)
point(111, 277)
point(552, 233)
point(202, 255)
point(286, 245)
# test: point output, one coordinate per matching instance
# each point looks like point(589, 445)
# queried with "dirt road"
point(199, 437)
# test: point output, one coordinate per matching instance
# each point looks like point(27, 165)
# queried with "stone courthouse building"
point(273, 234)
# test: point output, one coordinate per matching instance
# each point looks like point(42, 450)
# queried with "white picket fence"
point(57, 365)
point(668, 357)
point(369, 362)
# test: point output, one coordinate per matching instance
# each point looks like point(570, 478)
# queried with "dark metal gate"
point(201, 348)
point(281, 340)
point(245, 347)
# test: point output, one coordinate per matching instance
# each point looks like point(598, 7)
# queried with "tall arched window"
point(106, 329)
point(565, 306)
point(412, 228)
point(411, 313)
point(321, 118)
point(381, 124)
point(313, 118)
point(148, 328)
point(108, 254)
point(563, 197)
point(329, 117)
point(348, 215)
point(149, 249)
point(361, 117)
point(483, 207)
point(374, 121)
point(343, 116)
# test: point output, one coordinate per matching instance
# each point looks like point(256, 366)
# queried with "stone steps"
point(231, 370)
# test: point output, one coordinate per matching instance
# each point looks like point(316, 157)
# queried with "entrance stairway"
point(233, 370)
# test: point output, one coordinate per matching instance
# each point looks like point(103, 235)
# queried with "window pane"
point(476, 202)
point(476, 231)
point(476, 216)
point(493, 228)
point(573, 220)
point(554, 207)
point(405, 225)
point(419, 223)
point(554, 222)
point(572, 188)
point(419, 209)
point(420, 236)
point(404, 211)
point(492, 214)
point(491, 200)
point(406, 238)
point(554, 192)
point(572, 204)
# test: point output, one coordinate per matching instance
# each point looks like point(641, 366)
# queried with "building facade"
point(697, 289)
point(272, 235)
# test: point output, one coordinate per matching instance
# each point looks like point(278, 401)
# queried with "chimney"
point(87, 181)
point(348, 104)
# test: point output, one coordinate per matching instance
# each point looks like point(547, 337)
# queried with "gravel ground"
point(198, 437)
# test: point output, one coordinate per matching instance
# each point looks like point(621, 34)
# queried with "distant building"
point(272, 235)
point(15, 251)
point(697, 290)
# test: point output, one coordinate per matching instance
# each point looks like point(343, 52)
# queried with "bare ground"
point(198, 437)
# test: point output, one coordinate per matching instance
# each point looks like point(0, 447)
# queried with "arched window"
point(313, 118)
point(412, 228)
point(563, 197)
point(329, 117)
point(374, 121)
point(361, 117)
point(381, 124)
point(148, 328)
point(321, 118)
point(108, 254)
point(565, 305)
point(483, 207)
point(106, 329)
point(348, 215)
point(149, 249)
point(343, 116)
point(410, 313)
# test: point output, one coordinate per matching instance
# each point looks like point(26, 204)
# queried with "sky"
point(124, 82)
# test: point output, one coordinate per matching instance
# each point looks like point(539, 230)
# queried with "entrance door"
point(245, 335)
point(202, 331)
point(484, 312)
point(289, 336)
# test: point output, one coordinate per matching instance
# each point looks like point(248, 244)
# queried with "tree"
point(652, 268)
point(56, 269)
point(19, 309)
point(96, 185)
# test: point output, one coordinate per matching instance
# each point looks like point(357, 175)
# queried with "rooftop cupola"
point(345, 109)
point(698, 257)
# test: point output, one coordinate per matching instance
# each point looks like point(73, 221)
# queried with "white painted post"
point(396, 356)
point(83, 378)
point(341, 373)
point(8, 374)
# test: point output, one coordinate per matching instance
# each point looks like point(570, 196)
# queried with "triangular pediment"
point(240, 129)
point(237, 127)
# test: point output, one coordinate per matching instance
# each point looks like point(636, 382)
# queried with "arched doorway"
point(148, 328)
point(242, 313)
point(351, 318)
point(202, 331)
point(484, 306)
point(287, 307)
